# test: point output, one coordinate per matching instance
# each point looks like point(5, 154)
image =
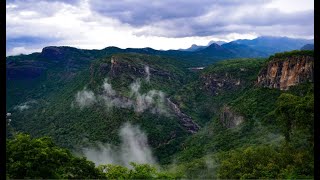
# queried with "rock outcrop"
point(185, 120)
point(229, 118)
point(281, 73)
point(118, 66)
point(216, 83)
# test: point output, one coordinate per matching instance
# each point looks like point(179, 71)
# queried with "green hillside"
point(212, 123)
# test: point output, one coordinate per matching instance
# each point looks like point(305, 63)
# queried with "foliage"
point(292, 53)
point(245, 69)
point(266, 162)
point(72, 127)
point(41, 158)
point(250, 150)
point(138, 171)
point(294, 112)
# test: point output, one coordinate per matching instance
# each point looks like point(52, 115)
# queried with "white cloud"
point(26, 105)
point(153, 100)
point(85, 98)
point(290, 6)
point(22, 50)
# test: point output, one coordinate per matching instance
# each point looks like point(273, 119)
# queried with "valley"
point(192, 113)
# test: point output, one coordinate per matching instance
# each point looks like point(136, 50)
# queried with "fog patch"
point(133, 148)
point(85, 98)
point(25, 106)
point(147, 70)
point(153, 100)
point(110, 98)
point(107, 88)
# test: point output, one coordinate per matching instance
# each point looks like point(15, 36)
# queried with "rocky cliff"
point(118, 66)
point(281, 73)
point(216, 83)
point(185, 120)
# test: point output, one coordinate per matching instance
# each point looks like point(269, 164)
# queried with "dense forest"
point(230, 120)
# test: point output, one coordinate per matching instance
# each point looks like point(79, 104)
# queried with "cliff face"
point(118, 67)
point(215, 83)
point(281, 73)
point(185, 120)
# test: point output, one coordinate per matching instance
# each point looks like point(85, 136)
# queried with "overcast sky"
point(159, 24)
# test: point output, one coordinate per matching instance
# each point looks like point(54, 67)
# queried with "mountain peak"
point(217, 42)
point(215, 45)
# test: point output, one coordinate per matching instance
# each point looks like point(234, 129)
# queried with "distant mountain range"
point(195, 47)
point(308, 47)
point(271, 45)
point(195, 55)
point(264, 45)
point(179, 109)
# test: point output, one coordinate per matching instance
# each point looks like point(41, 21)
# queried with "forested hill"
point(236, 118)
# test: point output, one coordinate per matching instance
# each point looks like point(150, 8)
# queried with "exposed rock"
point(285, 72)
point(118, 67)
point(230, 119)
point(215, 83)
point(52, 52)
point(185, 120)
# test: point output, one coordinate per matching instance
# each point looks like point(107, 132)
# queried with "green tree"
point(252, 162)
point(114, 171)
point(294, 112)
point(266, 162)
point(41, 158)
point(138, 171)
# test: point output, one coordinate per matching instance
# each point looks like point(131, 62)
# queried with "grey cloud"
point(199, 18)
point(229, 20)
point(165, 18)
point(42, 8)
point(142, 12)
point(37, 1)
point(32, 42)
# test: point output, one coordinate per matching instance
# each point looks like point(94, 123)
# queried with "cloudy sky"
point(160, 24)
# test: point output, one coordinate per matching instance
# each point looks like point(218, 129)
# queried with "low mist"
point(25, 106)
point(147, 70)
point(133, 148)
point(153, 100)
point(85, 98)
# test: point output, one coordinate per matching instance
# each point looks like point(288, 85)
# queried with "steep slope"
point(200, 122)
point(91, 108)
point(39, 74)
point(216, 50)
point(203, 97)
point(242, 119)
point(287, 69)
point(307, 47)
point(243, 51)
